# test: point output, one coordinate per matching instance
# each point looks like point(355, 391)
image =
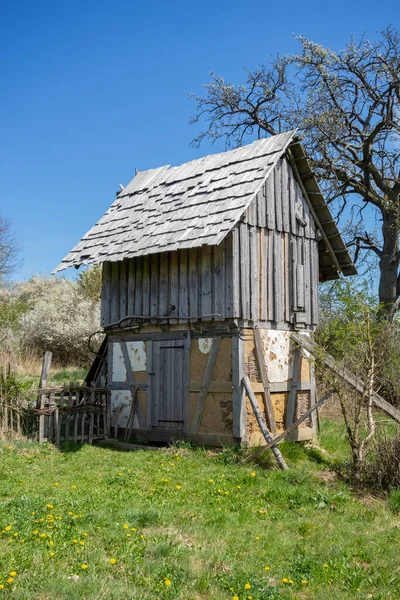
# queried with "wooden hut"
point(207, 269)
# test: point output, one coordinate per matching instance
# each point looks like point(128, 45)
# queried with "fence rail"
point(74, 413)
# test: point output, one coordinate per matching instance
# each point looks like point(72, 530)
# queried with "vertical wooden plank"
point(155, 393)
point(150, 380)
point(236, 276)
point(130, 306)
point(154, 284)
point(314, 259)
point(293, 272)
point(57, 419)
point(307, 282)
point(285, 195)
point(139, 308)
point(286, 277)
point(123, 288)
point(218, 283)
point(254, 268)
point(76, 415)
point(270, 198)
point(115, 292)
point(174, 287)
point(143, 284)
point(206, 281)
point(270, 291)
point(163, 285)
point(278, 195)
point(205, 384)
point(238, 393)
point(244, 271)
point(291, 405)
point(262, 369)
point(194, 308)
point(278, 277)
point(261, 207)
point(106, 294)
point(46, 363)
point(251, 213)
point(83, 419)
point(91, 414)
point(183, 284)
point(228, 251)
point(292, 201)
point(263, 235)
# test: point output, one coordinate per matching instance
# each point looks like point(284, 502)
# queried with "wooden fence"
point(75, 413)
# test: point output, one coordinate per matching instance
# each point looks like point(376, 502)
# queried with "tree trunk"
point(389, 262)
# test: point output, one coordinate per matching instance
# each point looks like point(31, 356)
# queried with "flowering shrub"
point(58, 318)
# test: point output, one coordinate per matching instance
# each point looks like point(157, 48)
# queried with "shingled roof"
point(195, 204)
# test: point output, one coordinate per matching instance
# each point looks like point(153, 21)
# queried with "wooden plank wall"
point(275, 248)
point(178, 285)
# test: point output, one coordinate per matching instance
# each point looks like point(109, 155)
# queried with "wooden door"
point(168, 401)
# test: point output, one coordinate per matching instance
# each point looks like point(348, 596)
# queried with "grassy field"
point(94, 523)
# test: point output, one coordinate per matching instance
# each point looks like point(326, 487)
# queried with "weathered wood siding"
point(180, 285)
point(265, 272)
point(275, 248)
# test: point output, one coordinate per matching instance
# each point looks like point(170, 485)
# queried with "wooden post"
point(238, 393)
point(208, 373)
point(47, 356)
point(291, 405)
point(262, 425)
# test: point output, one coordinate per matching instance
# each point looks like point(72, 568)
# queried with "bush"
point(382, 469)
point(59, 318)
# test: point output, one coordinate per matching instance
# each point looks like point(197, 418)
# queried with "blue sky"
point(91, 90)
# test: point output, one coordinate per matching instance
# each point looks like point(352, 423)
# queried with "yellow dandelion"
point(128, 535)
point(167, 581)
point(249, 597)
point(235, 598)
point(238, 487)
point(113, 561)
point(291, 581)
point(43, 535)
point(51, 543)
point(133, 529)
point(84, 566)
point(56, 483)
point(10, 447)
point(10, 579)
point(285, 580)
point(73, 487)
point(74, 541)
point(70, 513)
point(51, 554)
point(178, 487)
point(247, 586)
point(35, 532)
point(16, 534)
point(84, 533)
point(82, 543)
point(49, 506)
point(13, 573)
point(253, 474)
point(257, 538)
point(8, 528)
point(126, 526)
point(325, 565)
point(266, 568)
point(304, 581)
point(211, 481)
point(1, 586)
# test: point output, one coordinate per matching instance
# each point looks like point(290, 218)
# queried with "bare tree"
point(346, 105)
point(9, 248)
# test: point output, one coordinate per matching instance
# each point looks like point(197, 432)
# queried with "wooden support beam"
point(262, 425)
point(239, 395)
point(131, 381)
point(262, 369)
point(281, 436)
point(348, 376)
point(291, 405)
point(208, 373)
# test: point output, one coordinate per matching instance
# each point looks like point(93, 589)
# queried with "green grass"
point(194, 518)
point(58, 377)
